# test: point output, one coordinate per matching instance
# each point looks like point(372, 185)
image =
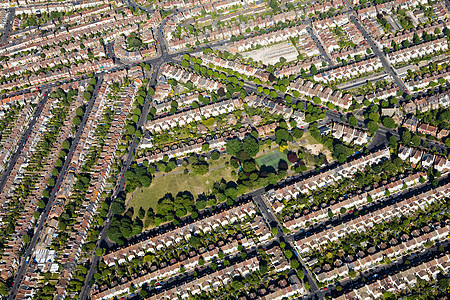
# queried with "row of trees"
point(138, 176)
point(123, 226)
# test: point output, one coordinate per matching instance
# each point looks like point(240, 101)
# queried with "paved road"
point(95, 260)
point(386, 64)
point(356, 83)
point(9, 22)
point(43, 219)
point(15, 156)
point(376, 205)
point(319, 45)
point(156, 64)
point(281, 236)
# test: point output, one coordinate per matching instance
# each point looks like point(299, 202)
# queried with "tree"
point(406, 137)
point(195, 242)
point(292, 157)
point(201, 261)
point(274, 230)
point(141, 213)
point(352, 273)
point(79, 111)
point(340, 150)
point(393, 142)
point(447, 31)
point(86, 95)
point(297, 133)
point(185, 64)
point(388, 122)
point(205, 147)
point(301, 274)
point(237, 285)
point(51, 182)
point(294, 264)
point(313, 69)
point(273, 94)
point(251, 146)
point(143, 293)
point(416, 140)
point(117, 208)
point(288, 254)
point(99, 251)
point(233, 147)
point(263, 268)
point(41, 204)
point(4, 290)
point(58, 163)
point(65, 145)
point(215, 155)
point(282, 136)
point(76, 121)
point(200, 168)
point(352, 120)
point(26, 239)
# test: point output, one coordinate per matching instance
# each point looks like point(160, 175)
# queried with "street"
point(23, 139)
point(9, 21)
point(379, 140)
point(44, 216)
point(386, 65)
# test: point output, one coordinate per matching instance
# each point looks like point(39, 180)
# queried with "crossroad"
point(156, 63)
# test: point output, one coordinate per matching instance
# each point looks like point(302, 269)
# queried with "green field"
point(176, 181)
point(271, 159)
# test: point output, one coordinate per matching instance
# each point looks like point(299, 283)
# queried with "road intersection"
point(156, 62)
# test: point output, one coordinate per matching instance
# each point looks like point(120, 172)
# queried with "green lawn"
point(176, 181)
point(272, 159)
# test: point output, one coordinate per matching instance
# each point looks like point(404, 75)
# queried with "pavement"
point(164, 57)
point(44, 215)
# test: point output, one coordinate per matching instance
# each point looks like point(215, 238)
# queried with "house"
point(443, 133)
point(416, 156)
point(404, 152)
point(427, 160)
point(411, 124)
point(427, 129)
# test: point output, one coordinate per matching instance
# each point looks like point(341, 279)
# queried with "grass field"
point(271, 159)
point(176, 181)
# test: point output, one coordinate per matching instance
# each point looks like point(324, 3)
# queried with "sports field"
point(271, 159)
